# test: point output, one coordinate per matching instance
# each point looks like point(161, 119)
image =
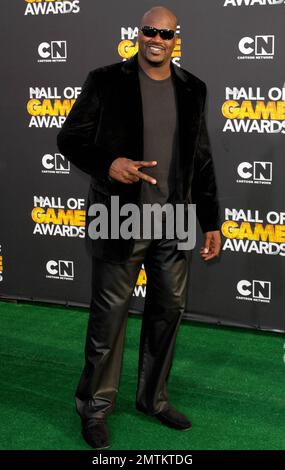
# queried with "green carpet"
point(230, 382)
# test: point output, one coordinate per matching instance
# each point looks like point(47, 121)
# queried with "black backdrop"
point(237, 48)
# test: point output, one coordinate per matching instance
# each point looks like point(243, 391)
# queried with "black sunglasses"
point(151, 32)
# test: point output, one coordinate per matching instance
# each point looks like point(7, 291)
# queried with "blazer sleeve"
point(76, 140)
point(204, 187)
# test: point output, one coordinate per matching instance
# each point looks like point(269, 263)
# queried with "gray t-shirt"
point(159, 137)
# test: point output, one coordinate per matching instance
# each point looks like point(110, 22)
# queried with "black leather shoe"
point(95, 433)
point(170, 417)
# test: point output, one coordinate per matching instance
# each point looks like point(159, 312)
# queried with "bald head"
point(159, 14)
point(156, 50)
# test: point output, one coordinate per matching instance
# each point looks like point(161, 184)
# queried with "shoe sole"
point(101, 448)
point(162, 422)
point(93, 447)
point(174, 427)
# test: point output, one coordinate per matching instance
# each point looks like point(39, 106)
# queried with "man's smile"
point(156, 50)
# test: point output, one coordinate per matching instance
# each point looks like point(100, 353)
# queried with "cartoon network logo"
point(255, 290)
point(256, 47)
point(60, 269)
point(255, 172)
point(55, 164)
point(52, 51)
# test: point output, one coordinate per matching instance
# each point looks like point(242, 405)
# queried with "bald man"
point(138, 128)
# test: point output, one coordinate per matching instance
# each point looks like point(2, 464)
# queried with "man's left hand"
point(212, 245)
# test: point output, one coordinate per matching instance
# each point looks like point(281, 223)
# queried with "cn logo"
point(60, 269)
point(258, 45)
point(256, 290)
point(53, 51)
point(56, 163)
point(257, 172)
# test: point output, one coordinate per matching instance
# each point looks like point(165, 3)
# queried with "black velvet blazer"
point(106, 122)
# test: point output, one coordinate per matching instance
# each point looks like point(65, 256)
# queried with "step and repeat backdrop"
point(237, 48)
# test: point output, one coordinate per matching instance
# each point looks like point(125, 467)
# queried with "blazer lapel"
point(133, 105)
point(188, 112)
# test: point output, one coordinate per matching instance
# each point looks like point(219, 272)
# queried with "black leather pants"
point(112, 287)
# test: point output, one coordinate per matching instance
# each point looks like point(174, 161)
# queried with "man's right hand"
point(127, 171)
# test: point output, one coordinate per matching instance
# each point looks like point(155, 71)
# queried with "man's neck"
point(156, 73)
